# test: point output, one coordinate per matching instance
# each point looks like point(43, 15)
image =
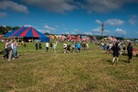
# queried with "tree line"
point(6, 29)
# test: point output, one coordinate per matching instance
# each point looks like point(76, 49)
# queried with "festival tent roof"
point(10, 33)
point(28, 32)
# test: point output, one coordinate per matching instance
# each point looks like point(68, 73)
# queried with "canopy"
point(28, 32)
point(10, 33)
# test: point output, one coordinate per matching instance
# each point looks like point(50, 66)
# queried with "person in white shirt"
point(47, 46)
point(65, 47)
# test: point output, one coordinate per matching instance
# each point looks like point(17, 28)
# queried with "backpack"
point(9, 46)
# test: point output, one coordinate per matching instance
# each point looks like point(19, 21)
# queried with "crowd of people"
point(11, 49)
point(114, 48)
point(67, 47)
point(118, 48)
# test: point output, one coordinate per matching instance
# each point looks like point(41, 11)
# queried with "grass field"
point(88, 71)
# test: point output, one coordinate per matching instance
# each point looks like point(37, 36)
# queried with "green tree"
point(15, 28)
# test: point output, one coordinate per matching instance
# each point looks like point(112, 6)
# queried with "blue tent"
point(29, 32)
point(10, 33)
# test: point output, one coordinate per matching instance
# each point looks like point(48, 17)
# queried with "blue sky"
point(73, 16)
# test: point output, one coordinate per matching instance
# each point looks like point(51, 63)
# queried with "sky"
point(120, 17)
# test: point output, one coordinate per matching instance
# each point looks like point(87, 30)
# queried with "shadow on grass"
point(124, 61)
point(109, 61)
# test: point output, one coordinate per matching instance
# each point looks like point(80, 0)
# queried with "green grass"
point(88, 71)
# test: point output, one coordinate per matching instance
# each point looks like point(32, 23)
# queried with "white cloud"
point(120, 31)
point(76, 30)
point(28, 25)
point(133, 20)
point(3, 14)
point(59, 6)
point(104, 5)
point(73, 32)
point(97, 30)
point(88, 33)
point(67, 33)
point(13, 6)
point(42, 31)
point(62, 6)
point(114, 22)
point(49, 28)
point(98, 21)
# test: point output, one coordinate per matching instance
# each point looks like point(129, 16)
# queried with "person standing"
point(15, 47)
point(40, 45)
point(6, 51)
point(47, 46)
point(54, 47)
point(115, 50)
point(73, 47)
point(10, 50)
point(129, 51)
point(65, 47)
point(79, 47)
point(36, 46)
point(51, 45)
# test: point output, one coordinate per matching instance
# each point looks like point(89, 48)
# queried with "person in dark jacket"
point(129, 51)
point(115, 50)
point(36, 45)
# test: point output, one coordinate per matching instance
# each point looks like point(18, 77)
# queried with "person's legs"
point(129, 57)
point(14, 52)
point(113, 60)
point(46, 49)
point(117, 59)
point(6, 54)
point(79, 50)
point(10, 55)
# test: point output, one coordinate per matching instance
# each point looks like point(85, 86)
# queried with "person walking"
point(129, 51)
point(15, 48)
point(115, 50)
point(6, 51)
point(78, 46)
point(54, 47)
point(65, 47)
point(10, 50)
point(47, 46)
point(73, 47)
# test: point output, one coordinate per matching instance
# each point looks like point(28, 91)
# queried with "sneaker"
point(13, 58)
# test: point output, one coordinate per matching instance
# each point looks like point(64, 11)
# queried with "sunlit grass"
point(88, 71)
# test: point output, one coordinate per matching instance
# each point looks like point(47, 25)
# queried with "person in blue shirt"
point(79, 47)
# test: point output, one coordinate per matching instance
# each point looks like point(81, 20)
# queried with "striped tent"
point(28, 32)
